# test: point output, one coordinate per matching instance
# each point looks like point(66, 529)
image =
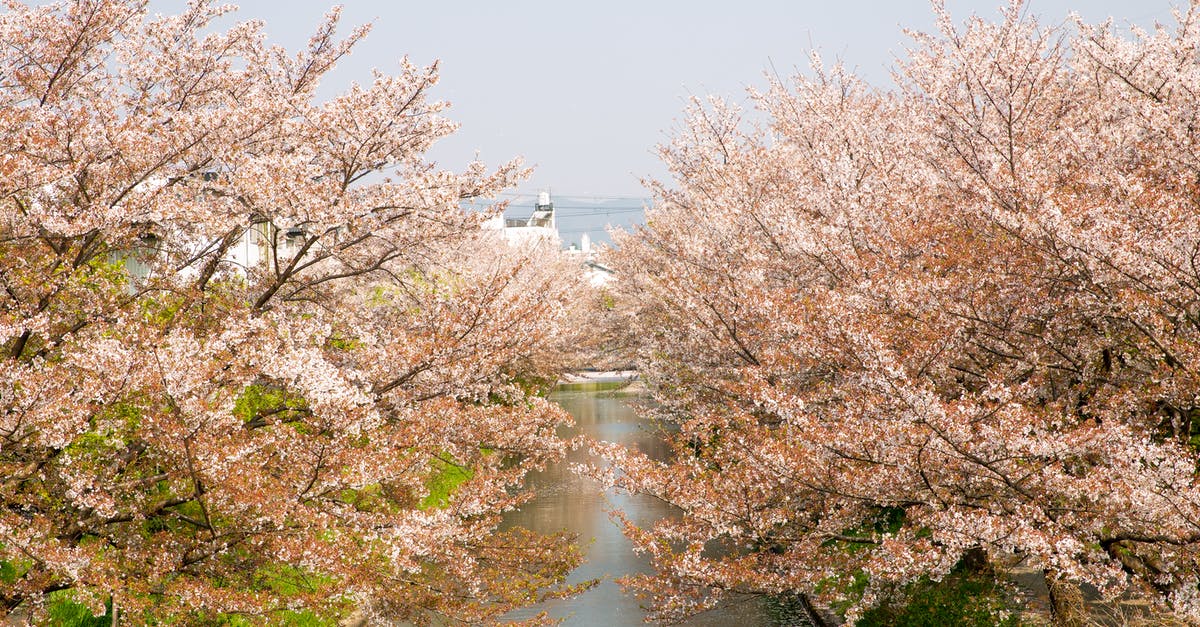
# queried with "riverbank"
point(627, 381)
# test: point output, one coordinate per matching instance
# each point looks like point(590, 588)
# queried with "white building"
point(540, 226)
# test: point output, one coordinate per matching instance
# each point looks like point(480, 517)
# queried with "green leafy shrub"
point(966, 597)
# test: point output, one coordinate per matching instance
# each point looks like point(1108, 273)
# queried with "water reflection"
point(569, 502)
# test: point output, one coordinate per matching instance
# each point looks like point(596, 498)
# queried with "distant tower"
point(543, 212)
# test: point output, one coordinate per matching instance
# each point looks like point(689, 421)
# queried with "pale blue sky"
point(584, 91)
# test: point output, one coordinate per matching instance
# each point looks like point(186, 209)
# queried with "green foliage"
point(889, 520)
point(607, 301)
point(446, 478)
point(885, 521)
point(532, 384)
point(166, 309)
point(850, 587)
point(344, 344)
point(285, 581)
point(126, 415)
point(8, 572)
point(108, 434)
point(261, 400)
point(288, 580)
point(161, 309)
point(379, 296)
point(376, 498)
point(65, 611)
point(970, 595)
point(965, 597)
point(304, 619)
point(101, 274)
point(283, 618)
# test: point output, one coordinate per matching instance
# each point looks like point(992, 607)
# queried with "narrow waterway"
point(569, 502)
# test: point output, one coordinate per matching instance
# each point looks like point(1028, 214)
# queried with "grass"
point(965, 597)
point(443, 482)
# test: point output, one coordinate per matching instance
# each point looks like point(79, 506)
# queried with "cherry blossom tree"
point(896, 330)
point(257, 360)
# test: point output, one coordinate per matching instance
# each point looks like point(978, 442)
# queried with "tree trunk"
point(816, 617)
point(1066, 601)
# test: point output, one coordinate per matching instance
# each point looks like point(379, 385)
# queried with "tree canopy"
point(896, 328)
point(257, 359)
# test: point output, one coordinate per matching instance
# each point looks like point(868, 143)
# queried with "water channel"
point(569, 502)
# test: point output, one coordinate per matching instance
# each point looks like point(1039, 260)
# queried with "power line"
point(595, 230)
point(577, 196)
point(592, 214)
point(597, 208)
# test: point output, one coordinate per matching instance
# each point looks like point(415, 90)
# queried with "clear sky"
point(584, 91)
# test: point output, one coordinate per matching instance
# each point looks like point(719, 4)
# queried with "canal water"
point(569, 502)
